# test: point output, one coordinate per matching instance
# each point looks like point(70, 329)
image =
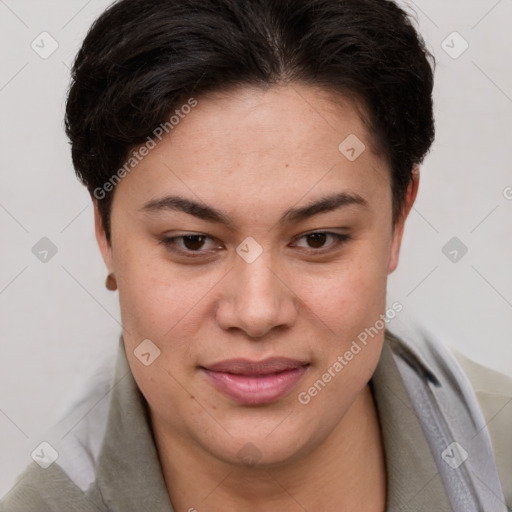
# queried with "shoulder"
point(463, 389)
point(69, 482)
point(50, 489)
point(34, 488)
point(24, 496)
point(494, 394)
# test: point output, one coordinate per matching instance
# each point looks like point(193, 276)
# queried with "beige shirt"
point(123, 472)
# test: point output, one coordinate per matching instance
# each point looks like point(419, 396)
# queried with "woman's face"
point(250, 234)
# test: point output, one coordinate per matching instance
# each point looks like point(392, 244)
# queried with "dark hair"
point(141, 59)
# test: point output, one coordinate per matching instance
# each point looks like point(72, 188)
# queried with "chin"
point(258, 453)
point(253, 443)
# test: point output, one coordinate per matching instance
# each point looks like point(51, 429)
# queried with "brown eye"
point(316, 240)
point(194, 242)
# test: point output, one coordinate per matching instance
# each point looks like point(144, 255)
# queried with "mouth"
point(255, 382)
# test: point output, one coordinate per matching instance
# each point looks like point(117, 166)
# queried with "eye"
point(191, 243)
point(321, 240)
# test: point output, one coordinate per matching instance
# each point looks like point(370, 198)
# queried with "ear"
point(101, 238)
point(398, 231)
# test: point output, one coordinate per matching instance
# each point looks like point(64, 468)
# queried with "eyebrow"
point(323, 205)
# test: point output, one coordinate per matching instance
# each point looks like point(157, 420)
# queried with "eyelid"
point(170, 243)
point(340, 238)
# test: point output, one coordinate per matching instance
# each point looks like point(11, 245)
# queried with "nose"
point(256, 299)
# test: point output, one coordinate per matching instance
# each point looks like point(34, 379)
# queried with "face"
point(252, 252)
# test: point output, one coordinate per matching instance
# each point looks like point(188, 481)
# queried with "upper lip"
point(248, 367)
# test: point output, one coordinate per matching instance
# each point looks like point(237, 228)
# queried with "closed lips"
point(256, 382)
point(255, 368)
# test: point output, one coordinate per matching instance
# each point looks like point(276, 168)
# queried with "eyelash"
point(170, 243)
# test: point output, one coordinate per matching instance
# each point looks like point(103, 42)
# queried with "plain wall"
point(58, 320)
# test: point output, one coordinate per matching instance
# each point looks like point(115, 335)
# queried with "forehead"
point(255, 143)
point(272, 121)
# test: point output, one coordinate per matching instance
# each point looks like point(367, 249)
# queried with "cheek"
point(168, 315)
point(153, 295)
point(353, 294)
point(168, 311)
point(349, 305)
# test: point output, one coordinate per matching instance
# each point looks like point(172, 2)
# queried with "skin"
point(253, 154)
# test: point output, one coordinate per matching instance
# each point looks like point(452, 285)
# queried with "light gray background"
point(57, 319)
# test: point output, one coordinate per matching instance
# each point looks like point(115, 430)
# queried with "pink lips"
point(258, 382)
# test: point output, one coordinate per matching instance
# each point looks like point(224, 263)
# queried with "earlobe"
point(410, 197)
point(101, 238)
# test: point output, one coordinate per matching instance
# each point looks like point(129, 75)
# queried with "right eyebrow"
point(181, 204)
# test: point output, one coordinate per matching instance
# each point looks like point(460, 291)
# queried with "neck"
point(346, 472)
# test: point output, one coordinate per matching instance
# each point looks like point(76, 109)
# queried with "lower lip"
point(252, 390)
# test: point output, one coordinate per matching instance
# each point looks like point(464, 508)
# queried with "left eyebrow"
point(324, 205)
